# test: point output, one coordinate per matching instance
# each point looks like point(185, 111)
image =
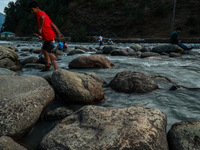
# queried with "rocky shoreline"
point(25, 99)
point(116, 40)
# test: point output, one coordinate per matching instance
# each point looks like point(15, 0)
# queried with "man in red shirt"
point(46, 30)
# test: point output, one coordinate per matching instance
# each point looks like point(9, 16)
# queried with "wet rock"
point(57, 114)
point(92, 61)
point(23, 98)
point(147, 49)
point(9, 59)
point(34, 66)
point(37, 51)
point(76, 88)
point(174, 55)
point(108, 49)
point(7, 143)
point(123, 52)
point(59, 52)
point(4, 71)
point(31, 59)
point(184, 136)
point(96, 77)
point(47, 76)
point(133, 82)
point(136, 47)
point(25, 50)
point(92, 49)
point(13, 48)
point(149, 54)
point(167, 48)
point(94, 127)
point(76, 51)
point(82, 48)
point(24, 54)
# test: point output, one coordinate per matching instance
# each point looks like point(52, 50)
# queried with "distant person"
point(46, 32)
point(110, 42)
point(65, 46)
point(100, 41)
point(60, 45)
point(174, 39)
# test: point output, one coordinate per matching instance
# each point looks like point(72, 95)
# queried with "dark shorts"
point(49, 47)
point(100, 43)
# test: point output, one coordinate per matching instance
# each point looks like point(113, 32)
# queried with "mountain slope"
point(109, 18)
point(2, 17)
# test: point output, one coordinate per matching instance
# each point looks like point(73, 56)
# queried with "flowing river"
point(179, 105)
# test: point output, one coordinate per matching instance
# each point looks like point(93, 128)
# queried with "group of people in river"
point(47, 31)
point(100, 40)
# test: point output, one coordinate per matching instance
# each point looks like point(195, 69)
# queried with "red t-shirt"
point(48, 33)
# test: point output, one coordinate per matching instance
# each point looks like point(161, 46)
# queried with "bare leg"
point(53, 60)
point(46, 56)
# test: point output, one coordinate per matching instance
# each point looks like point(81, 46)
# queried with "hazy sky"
point(3, 4)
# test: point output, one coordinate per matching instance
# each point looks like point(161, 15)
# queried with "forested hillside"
point(111, 18)
point(2, 17)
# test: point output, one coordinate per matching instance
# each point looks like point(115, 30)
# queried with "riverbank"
point(115, 40)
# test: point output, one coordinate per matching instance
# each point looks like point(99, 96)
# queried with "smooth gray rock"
point(23, 98)
point(108, 49)
point(95, 128)
point(136, 47)
point(92, 61)
point(76, 88)
point(4, 71)
point(7, 143)
point(31, 59)
point(167, 48)
point(9, 59)
point(184, 136)
point(148, 54)
point(76, 51)
point(132, 82)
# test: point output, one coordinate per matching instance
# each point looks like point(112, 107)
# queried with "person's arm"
point(41, 25)
point(60, 36)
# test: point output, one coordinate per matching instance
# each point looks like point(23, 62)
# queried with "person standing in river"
point(46, 30)
point(100, 39)
point(174, 40)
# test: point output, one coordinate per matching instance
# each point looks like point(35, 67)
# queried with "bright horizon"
point(3, 4)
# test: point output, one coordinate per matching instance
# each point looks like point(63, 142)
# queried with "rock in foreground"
point(98, 128)
point(77, 88)
point(9, 59)
point(184, 136)
point(22, 101)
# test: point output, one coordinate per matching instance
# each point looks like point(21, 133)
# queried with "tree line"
point(20, 20)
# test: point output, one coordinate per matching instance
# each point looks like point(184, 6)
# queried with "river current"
point(179, 105)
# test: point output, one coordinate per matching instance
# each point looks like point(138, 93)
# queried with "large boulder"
point(4, 71)
point(123, 52)
point(167, 48)
point(82, 48)
point(95, 127)
point(149, 54)
point(92, 61)
point(76, 88)
point(9, 59)
point(22, 101)
point(76, 51)
point(7, 143)
point(108, 49)
point(31, 59)
point(136, 47)
point(184, 136)
point(132, 82)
